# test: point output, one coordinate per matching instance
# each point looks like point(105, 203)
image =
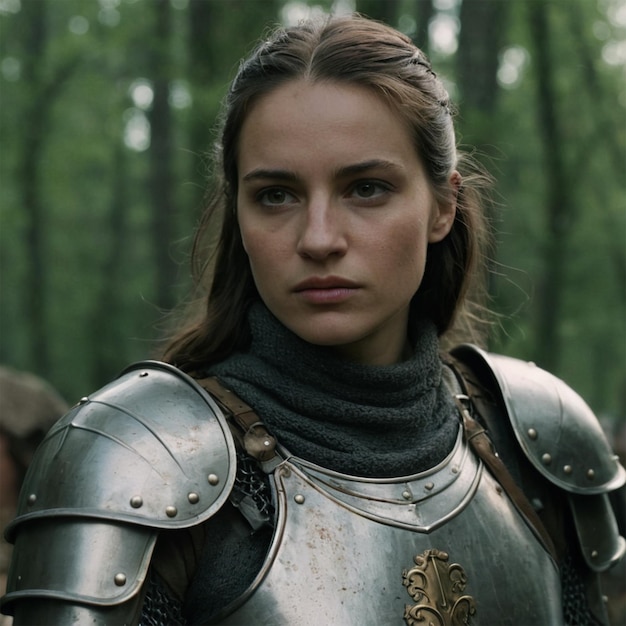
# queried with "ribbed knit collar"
point(363, 420)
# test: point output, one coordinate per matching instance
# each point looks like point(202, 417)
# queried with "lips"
point(325, 282)
point(326, 290)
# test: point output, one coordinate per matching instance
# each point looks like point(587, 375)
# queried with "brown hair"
point(352, 50)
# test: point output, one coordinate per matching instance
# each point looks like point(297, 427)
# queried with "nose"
point(322, 232)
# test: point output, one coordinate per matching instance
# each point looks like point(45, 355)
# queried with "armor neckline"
point(419, 502)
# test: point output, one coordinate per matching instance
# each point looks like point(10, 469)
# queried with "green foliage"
point(69, 163)
point(591, 329)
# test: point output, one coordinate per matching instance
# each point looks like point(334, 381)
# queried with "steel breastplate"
point(444, 546)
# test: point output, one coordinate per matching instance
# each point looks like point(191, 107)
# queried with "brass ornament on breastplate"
point(438, 589)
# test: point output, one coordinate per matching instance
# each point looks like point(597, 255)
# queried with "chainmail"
point(159, 608)
point(575, 607)
point(251, 485)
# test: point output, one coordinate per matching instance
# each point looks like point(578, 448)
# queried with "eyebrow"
point(365, 166)
point(342, 172)
point(264, 174)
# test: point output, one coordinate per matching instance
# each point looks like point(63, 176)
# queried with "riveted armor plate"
point(149, 451)
point(562, 438)
point(555, 428)
point(150, 448)
point(324, 564)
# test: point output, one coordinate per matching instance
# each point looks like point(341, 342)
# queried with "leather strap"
point(259, 444)
point(249, 428)
point(478, 438)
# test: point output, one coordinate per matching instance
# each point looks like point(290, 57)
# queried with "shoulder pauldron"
point(562, 438)
point(149, 451)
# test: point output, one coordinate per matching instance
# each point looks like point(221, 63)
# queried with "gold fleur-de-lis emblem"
point(438, 588)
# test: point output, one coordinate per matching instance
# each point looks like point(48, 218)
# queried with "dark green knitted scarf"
point(372, 421)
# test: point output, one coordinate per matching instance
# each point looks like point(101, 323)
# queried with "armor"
point(153, 451)
point(150, 451)
point(454, 548)
point(562, 439)
point(334, 530)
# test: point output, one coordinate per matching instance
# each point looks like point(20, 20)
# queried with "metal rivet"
point(83, 400)
point(429, 486)
point(120, 579)
point(591, 474)
point(299, 498)
point(171, 511)
point(193, 497)
point(136, 502)
point(567, 469)
point(546, 459)
point(406, 494)
point(143, 374)
point(32, 498)
point(532, 433)
point(266, 442)
point(498, 489)
point(213, 479)
point(455, 469)
point(594, 554)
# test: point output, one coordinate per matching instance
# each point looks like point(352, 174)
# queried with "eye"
point(370, 190)
point(274, 196)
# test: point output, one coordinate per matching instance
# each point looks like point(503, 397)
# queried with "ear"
point(444, 212)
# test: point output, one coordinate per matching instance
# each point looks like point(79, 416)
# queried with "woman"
point(350, 482)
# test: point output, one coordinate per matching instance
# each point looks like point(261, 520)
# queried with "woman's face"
point(336, 214)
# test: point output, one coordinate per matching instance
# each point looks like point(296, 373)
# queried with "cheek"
point(406, 260)
point(410, 242)
point(245, 240)
point(261, 255)
point(259, 241)
point(250, 239)
point(411, 268)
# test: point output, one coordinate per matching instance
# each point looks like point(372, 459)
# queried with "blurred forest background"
point(107, 111)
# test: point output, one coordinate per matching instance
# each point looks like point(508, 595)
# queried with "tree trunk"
point(220, 33)
point(107, 311)
point(606, 120)
point(558, 201)
point(604, 139)
point(161, 177)
point(483, 25)
point(34, 16)
point(202, 69)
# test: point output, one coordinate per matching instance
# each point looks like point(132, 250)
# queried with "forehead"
point(330, 120)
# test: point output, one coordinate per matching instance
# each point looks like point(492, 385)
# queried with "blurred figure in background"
point(28, 407)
